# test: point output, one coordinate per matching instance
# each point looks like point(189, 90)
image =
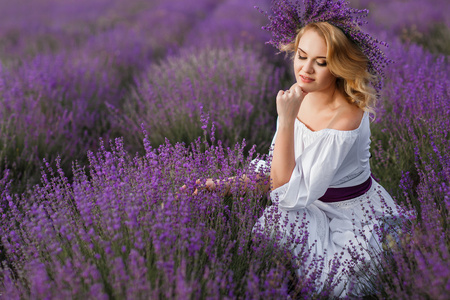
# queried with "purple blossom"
point(169, 97)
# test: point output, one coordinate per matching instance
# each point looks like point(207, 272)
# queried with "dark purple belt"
point(346, 193)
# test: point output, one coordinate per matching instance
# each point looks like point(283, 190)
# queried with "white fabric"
point(328, 158)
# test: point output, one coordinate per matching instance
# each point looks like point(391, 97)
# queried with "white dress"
point(328, 158)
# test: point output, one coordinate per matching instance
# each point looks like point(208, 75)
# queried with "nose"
point(308, 67)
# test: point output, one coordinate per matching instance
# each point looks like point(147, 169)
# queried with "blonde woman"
point(326, 205)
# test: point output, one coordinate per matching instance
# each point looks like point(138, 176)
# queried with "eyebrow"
point(324, 57)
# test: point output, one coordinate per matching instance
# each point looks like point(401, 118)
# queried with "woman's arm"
point(283, 160)
point(262, 184)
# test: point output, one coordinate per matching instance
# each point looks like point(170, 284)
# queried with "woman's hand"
point(210, 186)
point(288, 104)
point(283, 160)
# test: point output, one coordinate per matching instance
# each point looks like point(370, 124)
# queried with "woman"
point(327, 208)
point(326, 204)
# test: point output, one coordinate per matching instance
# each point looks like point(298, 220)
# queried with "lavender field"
point(109, 107)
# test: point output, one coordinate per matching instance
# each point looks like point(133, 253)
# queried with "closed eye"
point(321, 64)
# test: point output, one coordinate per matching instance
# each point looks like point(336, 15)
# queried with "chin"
point(302, 86)
point(305, 89)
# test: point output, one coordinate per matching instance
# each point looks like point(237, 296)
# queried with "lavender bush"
point(411, 156)
point(49, 26)
point(51, 105)
point(233, 22)
point(411, 119)
point(65, 62)
point(168, 97)
point(235, 86)
point(413, 21)
point(123, 229)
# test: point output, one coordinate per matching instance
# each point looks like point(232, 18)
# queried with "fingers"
point(298, 89)
point(184, 189)
point(288, 104)
point(294, 92)
point(292, 88)
point(210, 185)
point(280, 93)
point(283, 93)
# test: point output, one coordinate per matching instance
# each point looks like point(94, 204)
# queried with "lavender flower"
point(234, 86)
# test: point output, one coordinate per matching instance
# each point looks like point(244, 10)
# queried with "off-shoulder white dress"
point(325, 159)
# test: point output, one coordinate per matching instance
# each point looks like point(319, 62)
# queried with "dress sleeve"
point(314, 170)
point(260, 165)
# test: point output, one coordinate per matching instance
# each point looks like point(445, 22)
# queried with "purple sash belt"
point(346, 193)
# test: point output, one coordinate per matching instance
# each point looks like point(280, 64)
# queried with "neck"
point(329, 98)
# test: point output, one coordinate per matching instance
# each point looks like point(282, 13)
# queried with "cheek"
point(296, 65)
point(327, 76)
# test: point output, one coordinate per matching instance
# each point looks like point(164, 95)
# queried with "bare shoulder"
point(347, 117)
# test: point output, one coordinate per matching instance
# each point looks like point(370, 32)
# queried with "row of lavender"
point(412, 146)
point(123, 230)
point(411, 150)
point(112, 66)
point(422, 22)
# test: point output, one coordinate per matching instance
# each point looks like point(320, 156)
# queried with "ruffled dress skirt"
point(342, 238)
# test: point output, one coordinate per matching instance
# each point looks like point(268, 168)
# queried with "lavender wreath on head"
point(288, 17)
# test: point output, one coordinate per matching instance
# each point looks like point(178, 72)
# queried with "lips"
point(306, 79)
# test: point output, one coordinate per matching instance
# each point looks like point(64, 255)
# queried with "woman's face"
point(310, 64)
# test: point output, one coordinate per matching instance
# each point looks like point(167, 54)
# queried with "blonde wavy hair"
point(346, 62)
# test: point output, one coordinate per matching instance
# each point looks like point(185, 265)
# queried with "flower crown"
point(289, 17)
